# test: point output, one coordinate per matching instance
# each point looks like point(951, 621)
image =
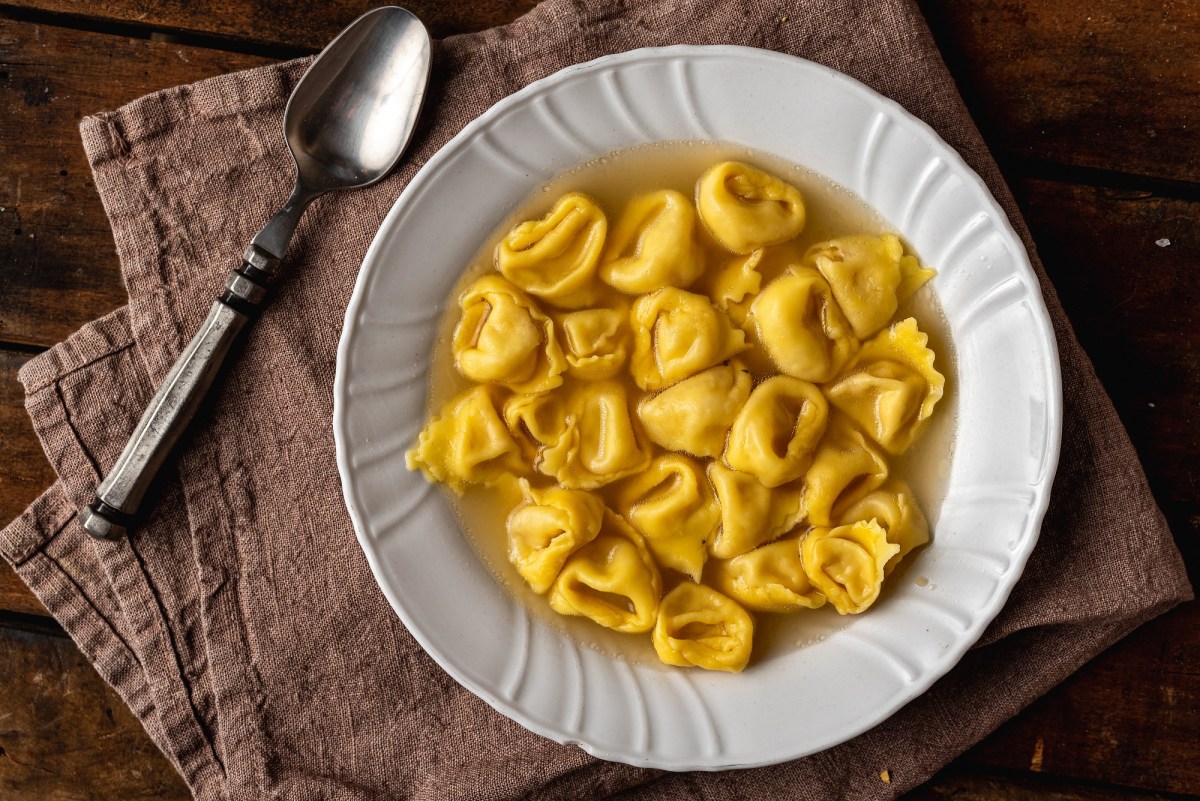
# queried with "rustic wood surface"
point(1092, 111)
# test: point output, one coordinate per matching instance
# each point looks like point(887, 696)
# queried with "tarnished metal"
point(347, 123)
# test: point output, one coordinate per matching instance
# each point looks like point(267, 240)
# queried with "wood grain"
point(1099, 84)
point(307, 24)
point(66, 736)
point(1108, 84)
point(58, 264)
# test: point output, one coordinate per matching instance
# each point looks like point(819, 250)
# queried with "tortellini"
point(552, 524)
point(895, 509)
point(846, 563)
point(770, 578)
point(503, 338)
point(673, 506)
point(845, 468)
point(698, 626)
point(698, 406)
point(892, 387)
point(776, 432)
point(801, 326)
point(653, 245)
point(751, 514)
point(745, 208)
point(612, 580)
point(555, 258)
point(595, 342)
point(599, 441)
point(676, 335)
point(466, 443)
point(694, 416)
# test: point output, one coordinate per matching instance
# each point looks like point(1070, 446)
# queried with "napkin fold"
point(240, 621)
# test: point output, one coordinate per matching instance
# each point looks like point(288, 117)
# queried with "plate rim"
point(1054, 411)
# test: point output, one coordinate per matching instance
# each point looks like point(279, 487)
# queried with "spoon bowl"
point(353, 113)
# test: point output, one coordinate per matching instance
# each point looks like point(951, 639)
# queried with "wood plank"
point(291, 25)
point(65, 735)
point(1124, 264)
point(1109, 84)
point(963, 784)
point(58, 264)
point(1106, 84)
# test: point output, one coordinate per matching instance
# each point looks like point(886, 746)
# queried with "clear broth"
point(831, 211)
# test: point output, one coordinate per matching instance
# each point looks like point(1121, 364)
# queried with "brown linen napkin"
point(241, 622)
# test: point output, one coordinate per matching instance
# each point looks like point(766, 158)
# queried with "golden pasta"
point(701, 407)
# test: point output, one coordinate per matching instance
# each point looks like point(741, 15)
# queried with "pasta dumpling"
point(600, 442)
point(672, 505)
point(595, 342)
point(612, 580)
point(801, 326)
point(653, 245)
point(536, 421)
point(864, 273)
point(892, 388)
point(676, 335)
point(544, 531)
point(466, 443)
point(777, 430)
point(736, 281)
point(555, 257)
point(503, 338)
point(699, 627)
point(846, 563)
point(770, 578)
point(751, 514)
point(694, 415)
point(745, 208)
point(846, 467)
point(895, 509)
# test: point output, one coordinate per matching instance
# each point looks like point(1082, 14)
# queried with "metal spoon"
point(347, 123)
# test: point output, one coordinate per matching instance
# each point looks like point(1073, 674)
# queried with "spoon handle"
point(177, 399)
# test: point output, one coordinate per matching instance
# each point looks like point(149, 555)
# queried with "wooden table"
point(1093, 110)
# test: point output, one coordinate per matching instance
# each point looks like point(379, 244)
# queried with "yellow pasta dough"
point(699, 627)
point(595, 341)
point(702, 399)
point(612, 580)
point(846, 563)
point(653, 245)
point(864, 273)
point(556, 257)
point(801, 326)
point(552, 524)
point(677, 334)
point(503, 338)
point(770, 578)
point(777, 430)
point(600, 441)
point(845, 468)
point(694, 415)
point(751, 514)
point(892, 388)
point(466, 443)
point(895, 509)
point(745, 208)
point(674, 507)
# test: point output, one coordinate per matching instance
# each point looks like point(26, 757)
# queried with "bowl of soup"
point(627, 450)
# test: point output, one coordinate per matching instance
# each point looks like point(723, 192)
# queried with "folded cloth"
point(241, 622)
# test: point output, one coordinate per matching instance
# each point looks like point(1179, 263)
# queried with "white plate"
point(818, 693)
